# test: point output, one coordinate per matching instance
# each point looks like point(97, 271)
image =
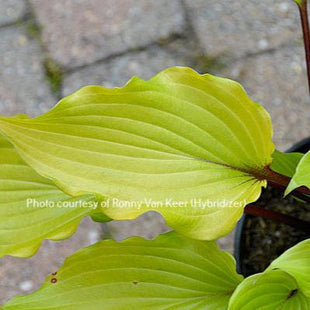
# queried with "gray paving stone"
point(80, 32)
point(227, 243)
point(23, 88)
point(240, 27)
point(117, 71)
point(278, 80)
point(148, 225)
point(11, 11)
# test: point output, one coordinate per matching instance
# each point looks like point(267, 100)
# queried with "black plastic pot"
point(240, 243)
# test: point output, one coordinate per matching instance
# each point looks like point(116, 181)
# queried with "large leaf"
point(177, 137)
point(285, 163)
point(273, 290)
point(296, 262)
point(171, 272)
point(302, 174)
point(23, 226)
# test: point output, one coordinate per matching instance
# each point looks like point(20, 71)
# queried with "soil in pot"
point(263, 240)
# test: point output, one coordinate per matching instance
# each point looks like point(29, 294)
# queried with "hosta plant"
point(194, 148)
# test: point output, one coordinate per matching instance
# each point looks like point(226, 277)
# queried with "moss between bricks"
point(54, 75)
point(34, 31)
point(205, 63)
point(53, 71)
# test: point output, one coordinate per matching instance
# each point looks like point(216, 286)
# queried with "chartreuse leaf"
point(273, 290)
point(170, 272)
point(296, 262)
point(23, 226)
point(157, 144)
point(285, 163)
point(284, 285)
point(302, 174)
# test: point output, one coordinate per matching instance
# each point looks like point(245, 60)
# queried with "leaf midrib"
point(256, 172)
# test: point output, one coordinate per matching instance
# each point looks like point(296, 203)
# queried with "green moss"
point(53, 71)
point(54, 75)
point(206, 63)
point(163, 41)
point(33, 30)
point(18, 23)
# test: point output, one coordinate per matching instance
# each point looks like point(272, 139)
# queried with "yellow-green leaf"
point(24, 225)
point(296, 262)
point(302, 174)
point(284, 285)
point(273, 290)
point(178, 137)
point(285, 163)
point(170, 272)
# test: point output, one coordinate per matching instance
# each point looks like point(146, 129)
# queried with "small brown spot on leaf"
point(292, 294)
point(54, 280)
point(134, 282)
point(54, 273)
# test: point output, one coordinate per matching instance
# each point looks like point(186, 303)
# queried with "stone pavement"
point(51, 48)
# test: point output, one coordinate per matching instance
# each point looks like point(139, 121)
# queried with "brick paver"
point(11, 11)
point(240, 27)
point(117, 71)
point(23, 87)
point(81, 32)
point(278, 80)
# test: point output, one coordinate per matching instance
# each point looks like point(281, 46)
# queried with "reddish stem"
point(303, 11)
point(281, 182)
point(279, 217)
